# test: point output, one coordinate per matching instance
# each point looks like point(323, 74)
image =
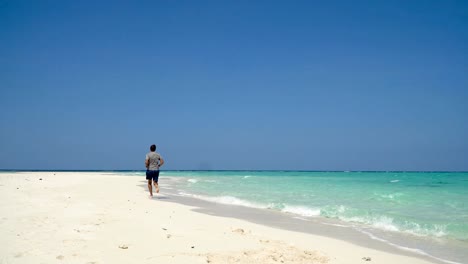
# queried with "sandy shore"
point(66, 217)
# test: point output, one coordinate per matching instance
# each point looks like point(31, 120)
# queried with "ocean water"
point(432, 206)
point(421, 212)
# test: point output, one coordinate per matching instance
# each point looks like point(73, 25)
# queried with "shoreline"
point(79, 217)
point(318, 225)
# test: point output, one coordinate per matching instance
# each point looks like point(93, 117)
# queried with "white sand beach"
point(78, 217)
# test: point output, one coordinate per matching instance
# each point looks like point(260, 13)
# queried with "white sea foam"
point(225, 200)
point(391, 196)
point(247, 176)
point(192, 180)
point(334, 224)
point(341, 209)
point(418, 230)
point(385, 223)
point(301, 210)
point(394, 180)
point(414, 250)
point(234, 201)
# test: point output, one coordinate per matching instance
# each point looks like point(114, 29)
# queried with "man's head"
point(153, 147)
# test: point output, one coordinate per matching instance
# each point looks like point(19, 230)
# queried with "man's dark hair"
point(153, 147)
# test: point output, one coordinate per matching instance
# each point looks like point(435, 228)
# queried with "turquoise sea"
point(423, 205)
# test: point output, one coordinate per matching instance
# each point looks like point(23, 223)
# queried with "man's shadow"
point(144, 186)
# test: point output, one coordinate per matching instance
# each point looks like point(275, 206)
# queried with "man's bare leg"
point(156, 186)
point(150, 188)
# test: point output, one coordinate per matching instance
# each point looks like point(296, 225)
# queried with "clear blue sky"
point(306, 85)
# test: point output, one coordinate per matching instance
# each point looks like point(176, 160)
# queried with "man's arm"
point(147, 162)
point(161, 161)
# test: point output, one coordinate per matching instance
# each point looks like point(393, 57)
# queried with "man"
point(153, 162)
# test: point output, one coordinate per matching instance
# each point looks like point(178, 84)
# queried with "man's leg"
point(156, 186)
point(155, 181)
point(150, 188)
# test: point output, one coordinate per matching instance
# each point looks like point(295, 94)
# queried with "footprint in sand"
point(239, 231)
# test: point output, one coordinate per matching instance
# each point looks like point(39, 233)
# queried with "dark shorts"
point(152, 174)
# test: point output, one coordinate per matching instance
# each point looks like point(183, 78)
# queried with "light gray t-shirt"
point(153, 158)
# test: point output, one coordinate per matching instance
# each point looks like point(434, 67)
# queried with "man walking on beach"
point(153, 162)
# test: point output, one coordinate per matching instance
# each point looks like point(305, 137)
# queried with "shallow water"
point(425, 212)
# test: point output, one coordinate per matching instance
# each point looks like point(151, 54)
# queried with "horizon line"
point(258, 170)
